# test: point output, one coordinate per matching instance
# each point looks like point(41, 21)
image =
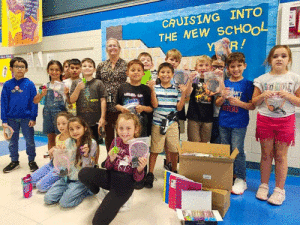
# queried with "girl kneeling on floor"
point(46, 176)
point(119, 177)
point(82, 151)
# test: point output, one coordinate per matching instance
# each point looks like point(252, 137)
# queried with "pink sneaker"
point(239, 186)
point(262, 192)
point(277, 197)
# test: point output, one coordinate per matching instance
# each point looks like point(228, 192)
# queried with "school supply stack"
point(198, 217)
point(211, 165)
point(185, 195)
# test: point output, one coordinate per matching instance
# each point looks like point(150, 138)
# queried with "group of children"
point(136, 100)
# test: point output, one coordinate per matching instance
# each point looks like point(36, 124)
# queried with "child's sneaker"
point(168, 166)
point(277, 197)
point(239, 186)
point(149, 180)
point(101, 194)
point(12, 166)
point(127, 204)
point(262, 192)
point(33, 166)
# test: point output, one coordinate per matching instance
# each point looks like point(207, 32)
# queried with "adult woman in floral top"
point(112, 73)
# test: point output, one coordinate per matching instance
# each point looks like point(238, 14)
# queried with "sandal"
point(262, 192)
point(277, 197)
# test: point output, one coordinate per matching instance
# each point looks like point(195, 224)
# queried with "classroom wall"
point(88, 44)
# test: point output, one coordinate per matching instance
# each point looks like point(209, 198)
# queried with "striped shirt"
point(167, 102)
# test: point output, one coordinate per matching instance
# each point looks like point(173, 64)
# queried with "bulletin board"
point(250, 26)
point(21, 22)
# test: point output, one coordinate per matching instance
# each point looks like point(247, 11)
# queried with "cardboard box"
point(220, 200)
point(213, 172)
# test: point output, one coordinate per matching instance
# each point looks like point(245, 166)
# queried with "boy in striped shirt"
point(166, 101)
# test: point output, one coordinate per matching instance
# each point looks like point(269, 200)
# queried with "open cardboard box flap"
point(213, 172)
point(214, 149)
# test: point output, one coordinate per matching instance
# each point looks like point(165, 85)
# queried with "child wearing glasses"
point(18, 110)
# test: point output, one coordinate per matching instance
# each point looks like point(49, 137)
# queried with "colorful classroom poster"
point(21, 22)
point(5, 73)
point(249, 25)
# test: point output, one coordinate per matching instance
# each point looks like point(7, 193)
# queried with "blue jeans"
point(45, 177)
point(28, 133)
point(235, 137)
point(68, 193)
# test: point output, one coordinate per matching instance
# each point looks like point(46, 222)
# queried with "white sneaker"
point(127, 204)
point(101, 194)
point(239, 186)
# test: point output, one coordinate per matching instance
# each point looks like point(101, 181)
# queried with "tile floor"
point(147, 209)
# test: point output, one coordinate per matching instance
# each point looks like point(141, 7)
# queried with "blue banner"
point(249, 25)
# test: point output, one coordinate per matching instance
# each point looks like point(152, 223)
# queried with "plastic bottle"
point(27, 186)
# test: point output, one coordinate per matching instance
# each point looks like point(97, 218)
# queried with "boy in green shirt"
point(146, 59)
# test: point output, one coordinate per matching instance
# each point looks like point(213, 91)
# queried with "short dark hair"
point(165, 64)
point(74, 62)
point(18, 59)
point(223, 58)
point(135, 61)
point(235, 57)
point(89, 60)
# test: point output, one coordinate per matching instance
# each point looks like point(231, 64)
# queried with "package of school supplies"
point(180, 77)
point(61, 162)
point(198, 217)
point(8, 132)
point(212, 82)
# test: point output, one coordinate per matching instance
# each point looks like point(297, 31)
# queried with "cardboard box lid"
point(209, 159)
point(208, 148)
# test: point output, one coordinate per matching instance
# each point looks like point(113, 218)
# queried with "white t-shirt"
point(68, 83)
point(277, 106)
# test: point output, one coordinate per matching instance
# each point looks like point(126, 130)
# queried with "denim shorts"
point(49, 122)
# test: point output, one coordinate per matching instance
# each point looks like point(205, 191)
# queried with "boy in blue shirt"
point(235, 103)
point(18, 110)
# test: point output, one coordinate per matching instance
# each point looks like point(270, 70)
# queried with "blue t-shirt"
point(232, 116)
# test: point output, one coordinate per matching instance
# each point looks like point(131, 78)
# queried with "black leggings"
point(121, 186)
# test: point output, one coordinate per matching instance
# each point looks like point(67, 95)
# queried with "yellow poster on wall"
point(5, 73)
point(21, 22)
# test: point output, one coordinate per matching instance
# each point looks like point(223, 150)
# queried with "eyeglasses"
point(19, 67)
point(218, 67)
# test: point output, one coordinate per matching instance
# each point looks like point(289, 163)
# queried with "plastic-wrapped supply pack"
point(213, 82)
point(222, 49)
point(61, 162)
point(180, 77)
point(275, 104)
point(137, 148)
